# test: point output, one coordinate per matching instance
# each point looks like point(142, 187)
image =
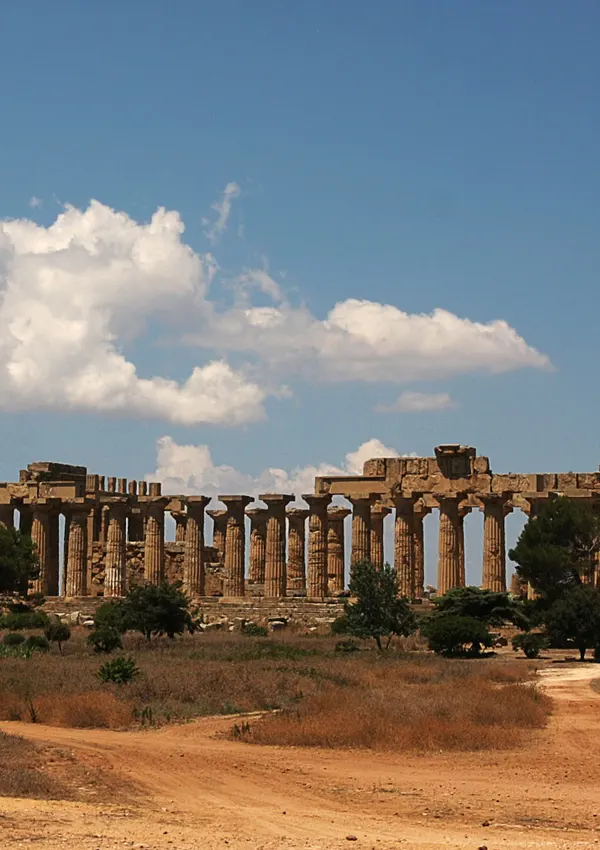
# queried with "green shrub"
point(58, 633)
point(37, 642)
point(105, 639)
point(111, 615)
point(531, 643)
point(452, 635)
point(340, 625)
point(24, 620)
point(254, 630)
point(119, 671)
point(13, 639)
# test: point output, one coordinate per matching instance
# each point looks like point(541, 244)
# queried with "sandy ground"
point(185, 788)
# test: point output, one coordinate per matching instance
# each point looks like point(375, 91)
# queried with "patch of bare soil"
point(187, 787)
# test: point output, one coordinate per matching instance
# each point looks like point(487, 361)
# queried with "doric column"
point(378, 514)
point(448, 548)
point(336, 561)
point(25, 519)
point(7, 516)
point(219, 518)
point(275, 566)
point(76, 565)
point(39, 537)
point(135, 525)
point(494, 543)
point(104, 520)
point(316, 579)
point(296, 562)
point(361, 529)
point(404, 545)
point(235, 544)
point(53, 559)
point(115, 573)
point(154, 541)
point(463, 510)
point(180, 520)
point(420, 511)
point(193, 553)
point(258, 545)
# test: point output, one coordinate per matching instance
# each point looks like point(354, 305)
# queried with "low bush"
point(13, 639)
point(340, 625)
point(531, 643)
point(120, 671)
point(254, 630)
point(57, 632)
point(37, 642)
point(346, 646)
point(452, 635)
point(105, 639)
point(16, 621)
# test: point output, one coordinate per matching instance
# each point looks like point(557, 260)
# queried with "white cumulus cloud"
point(415, 402)
point(189, 469)
point(75, 293)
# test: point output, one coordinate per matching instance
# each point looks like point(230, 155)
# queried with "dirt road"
point(184, 788)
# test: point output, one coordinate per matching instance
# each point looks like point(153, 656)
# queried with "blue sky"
point(416, 154)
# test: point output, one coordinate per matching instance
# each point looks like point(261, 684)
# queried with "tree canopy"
point(377, 611)
point(18, 561)
point(557, 547)
point(491, 607)
point(157, 610)
point(575, 616)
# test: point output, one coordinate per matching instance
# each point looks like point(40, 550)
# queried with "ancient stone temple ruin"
point(112, 531)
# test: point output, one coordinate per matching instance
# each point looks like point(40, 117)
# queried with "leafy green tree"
point(575, 616)
point(105, 639)
point(491, 607)
point(450, 634)
point(377, 611)
point(18, 561)
point(157, 610)
point(57, 632)
point(111, 615)
point(557, 546)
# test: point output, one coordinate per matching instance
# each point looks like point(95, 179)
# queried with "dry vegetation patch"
point(22, 771)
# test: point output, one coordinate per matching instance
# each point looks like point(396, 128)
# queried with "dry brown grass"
point(21, 773)
point(328, 699)
point(413, 707)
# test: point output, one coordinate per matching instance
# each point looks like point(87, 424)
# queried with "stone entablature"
point(114, 530)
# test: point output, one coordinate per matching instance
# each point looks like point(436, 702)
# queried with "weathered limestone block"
point(375, 467)
point(588, 480)
point(275, 563)
point(296, 563)
point(235, 544)
point(336, 550)
point(514, 483)
point(316, 584)
point(566, 481)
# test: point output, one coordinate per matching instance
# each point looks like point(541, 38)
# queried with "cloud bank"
point(80, 298)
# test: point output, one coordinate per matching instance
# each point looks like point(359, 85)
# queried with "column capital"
point(217, 513)
point(315, 501)
point(336, 512)
point(276, 499)
point(196, 501)
point(379, 510)
point(297, 513)
point(257, 515)
point(236, 501)
point(366, 499)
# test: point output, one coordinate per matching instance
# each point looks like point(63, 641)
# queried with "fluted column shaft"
point(235, 544)
point(180, 521)
point(361, 530)
point(448, 548)
point(115, 577)
point(275, 566)
point(316, 579)
point(296, 562)
point(219, 518)
point(403, 546)
point(154, 543)
point(53, 559)
point(39, 537)
point(258, 545)
point(336, 550)
point(76, 565)
point(378, 514)
point(193, 553)
point(419, 515)
point(494, 546)
point(462, 576)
